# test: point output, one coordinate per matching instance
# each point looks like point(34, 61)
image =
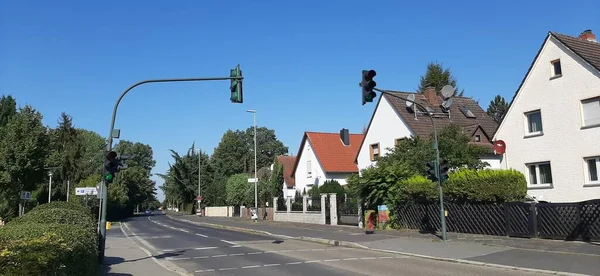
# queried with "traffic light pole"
point(103, 208)
point(437, 160)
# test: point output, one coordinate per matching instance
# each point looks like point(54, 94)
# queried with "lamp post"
point(255, 164)
point(50, 187)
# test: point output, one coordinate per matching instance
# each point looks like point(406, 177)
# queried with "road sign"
point(25, 195)
point(199, 198)
point(499, 147)
point(252, 180)
point(86, 191)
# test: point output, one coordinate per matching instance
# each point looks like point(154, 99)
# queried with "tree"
point(498, 108)
point(8, 109)
point(454, 146)
point(23, 150)
point(92, 158)
point(437, 76)
point(65, 157)
point(141, 154)
point(228, 157)
point(267, 144)
point(239, 191)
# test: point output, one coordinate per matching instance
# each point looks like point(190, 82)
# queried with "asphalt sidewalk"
point(123, 257)
point(554, 257)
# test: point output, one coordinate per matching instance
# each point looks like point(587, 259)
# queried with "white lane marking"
point(205, 248)
point(202, 257)
point(236, 246)
point(305, 262)
point(204, 236)
point(168, 250)
point(237, 254)
point(183, 230)
point(218, 256)
point(178, 258)
point(254, 253)
point(293, 263)
point(229, 242)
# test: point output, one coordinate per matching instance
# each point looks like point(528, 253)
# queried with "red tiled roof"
point(288, 163)
point(332, 154)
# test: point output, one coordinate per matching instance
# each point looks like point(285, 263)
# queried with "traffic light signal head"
point(237, 95)
point(111, 165)
point(444, 170)
point(367, 84)
point(432, 171)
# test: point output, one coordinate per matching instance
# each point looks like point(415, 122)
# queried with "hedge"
point(463, 186)
point(52, 239)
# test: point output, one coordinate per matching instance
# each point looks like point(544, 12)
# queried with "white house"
point(393, 121)
point(325, 156)
point(289, 186)
point(552, 128)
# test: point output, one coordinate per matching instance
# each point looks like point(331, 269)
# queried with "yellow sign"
point(108, 224)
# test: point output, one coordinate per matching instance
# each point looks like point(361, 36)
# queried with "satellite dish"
point(448, 91)
point(447, 103)
point(411, 99)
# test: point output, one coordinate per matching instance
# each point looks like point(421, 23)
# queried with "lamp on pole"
point(255, 164)
point(199, 180)
point(50, 187)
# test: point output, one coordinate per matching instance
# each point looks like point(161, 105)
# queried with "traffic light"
point(443, 170)
point(111, 165)
point(237, 95)
point(432, 171)
point(367, 85)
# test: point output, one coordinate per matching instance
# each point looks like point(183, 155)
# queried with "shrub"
point(485, 186)
point(48, 249)
point(416, 189)
point(60, 216)
point(62, 205)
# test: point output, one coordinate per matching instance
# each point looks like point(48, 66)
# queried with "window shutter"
point(591, 112)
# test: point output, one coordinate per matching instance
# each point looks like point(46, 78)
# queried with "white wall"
point(493, 160)
point(386, 126)
point(563, 142)
point(339, 177)
point(219, 211)
point(302, 179)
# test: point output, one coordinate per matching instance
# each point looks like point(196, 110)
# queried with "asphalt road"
point(207, 251)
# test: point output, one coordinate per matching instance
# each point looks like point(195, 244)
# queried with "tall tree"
point(8, 109)
point(498, 108)
point(141, 154)
point(92, 160)
point(228, 157)
point(268, 146)
point(66, 156)
point(23, 150)
point(438, 76)
point(238, 191)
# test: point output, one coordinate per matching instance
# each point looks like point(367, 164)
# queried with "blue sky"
point(301, 59)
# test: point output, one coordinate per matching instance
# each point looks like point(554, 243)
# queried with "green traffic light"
point(108, 177)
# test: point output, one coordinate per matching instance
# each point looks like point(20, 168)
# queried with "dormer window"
point(556, 68)
point(477, 138)
point(465, 111)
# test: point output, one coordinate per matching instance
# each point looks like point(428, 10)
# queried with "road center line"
point(229, 242)
point(204, 236)
point(251, 266)
point(267, 265)
point(205, 248)
point(228, 268)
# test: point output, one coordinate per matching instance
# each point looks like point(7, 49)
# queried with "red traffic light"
point(368, 75)
point(111, 155)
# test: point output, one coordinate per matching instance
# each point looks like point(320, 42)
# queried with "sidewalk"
point(550, 256)
point(124, 257)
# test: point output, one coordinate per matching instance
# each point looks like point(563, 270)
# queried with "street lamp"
point(50, 187)
point(255, 164)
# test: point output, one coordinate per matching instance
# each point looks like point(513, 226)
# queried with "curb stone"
point(360, 246)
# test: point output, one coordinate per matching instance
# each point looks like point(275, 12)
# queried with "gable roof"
point(421, 126)
point(331, 153)
point(288, 163)
point(589, 51)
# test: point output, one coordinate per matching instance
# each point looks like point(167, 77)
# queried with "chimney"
point(431, 96)
point(588, 35)
point(345, 136)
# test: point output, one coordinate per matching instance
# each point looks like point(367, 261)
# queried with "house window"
point(556, 68)
point(534, 122)
point(591, 111)
point(592, 165)
point(540, 173)
point(374, 151)
point(477, 138)
point(308, 169)
point(397, 141)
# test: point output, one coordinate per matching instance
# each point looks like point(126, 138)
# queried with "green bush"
point(416, 189)
point(57, 238)
point(48, 249)
point(485, 186)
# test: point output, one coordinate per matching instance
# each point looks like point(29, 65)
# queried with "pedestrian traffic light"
point(367, 85)
point(237, 95)
point(432, 171)
point(444, 169)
